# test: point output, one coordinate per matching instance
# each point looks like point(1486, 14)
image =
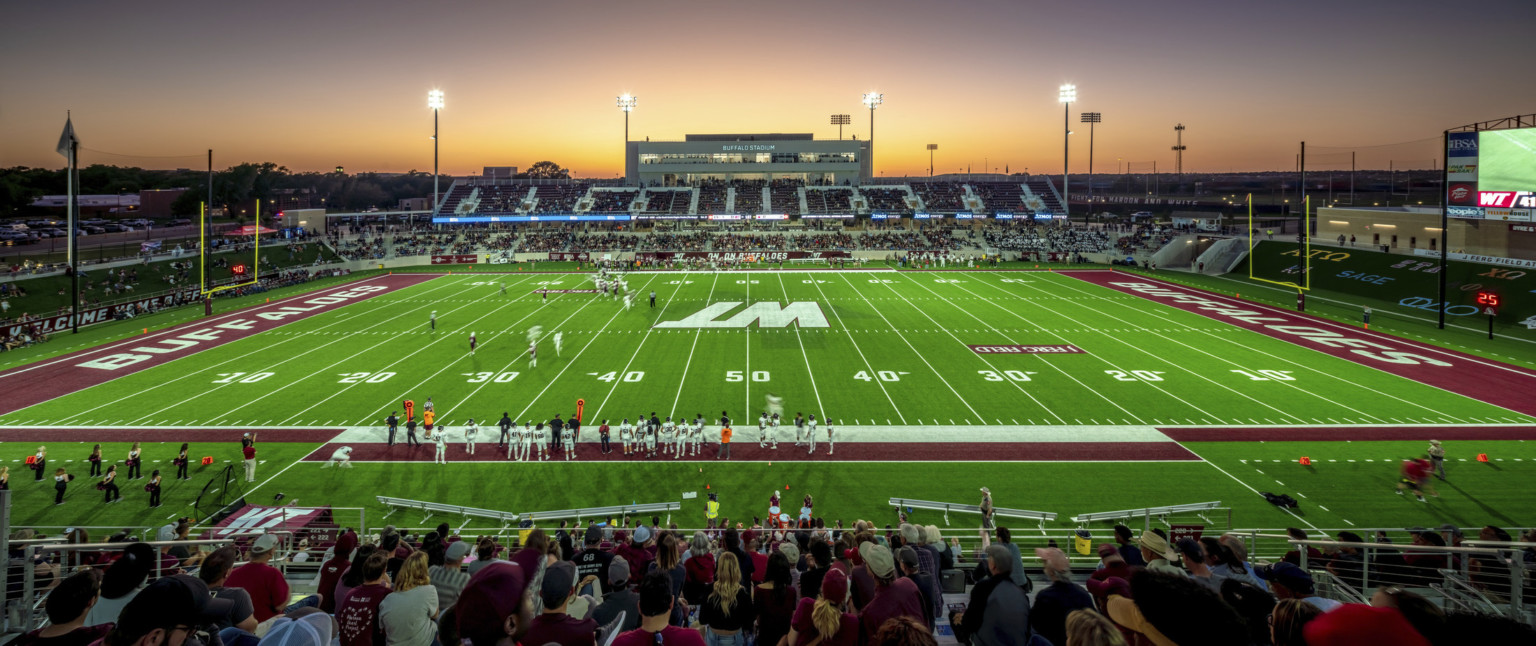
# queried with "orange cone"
point(1306, 461)
point(1482, 457)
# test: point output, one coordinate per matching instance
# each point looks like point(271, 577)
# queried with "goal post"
point(1303, 244)
point(204, 288)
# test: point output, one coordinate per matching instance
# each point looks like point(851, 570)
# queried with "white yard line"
point(636, 353)
point(1256, 492)
point(348, 317)
point(1239, 343)
point(179, 329)
point(920, 356)
point(445, 336)
point(696, 335)
point(576, 356)
point(808, 372)
point(1174, 364)
point(867, 365)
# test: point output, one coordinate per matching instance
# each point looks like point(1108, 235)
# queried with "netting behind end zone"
point(227, 486)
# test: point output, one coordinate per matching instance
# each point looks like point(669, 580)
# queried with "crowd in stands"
point(1035, 240)
point(921, 240)
point(610, 201)
point(804, 584)
point(830, 200)
point(1144, 237)
point(941, 196)
point(885, 199)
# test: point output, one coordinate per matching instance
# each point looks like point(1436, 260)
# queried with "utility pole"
point(1178, 150)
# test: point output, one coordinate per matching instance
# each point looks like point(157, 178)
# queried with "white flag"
point(67, 139)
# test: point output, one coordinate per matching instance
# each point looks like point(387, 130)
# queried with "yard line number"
point(1012, 375)
point(364, 377)
point(1267, 375)
point(493, 377)
point(236, 377)
point(883, 375)
point(631, 376)
point(1136, 375)
point(735, 376)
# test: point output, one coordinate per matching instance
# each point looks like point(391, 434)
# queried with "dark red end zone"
point(1486, 380)
point(1351, 433)
point(39, 382)
point(139, 434)
point(846, 452)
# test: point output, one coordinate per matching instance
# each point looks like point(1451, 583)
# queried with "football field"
point(1068, 392)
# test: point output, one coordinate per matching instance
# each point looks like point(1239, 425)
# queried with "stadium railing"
point(433, 508)
point(1202, 510)
point(1041, 517)
point(33, 550)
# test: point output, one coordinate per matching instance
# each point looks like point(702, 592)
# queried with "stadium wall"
point(1419, 228)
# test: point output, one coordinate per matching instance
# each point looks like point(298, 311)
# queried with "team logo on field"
point(804, 313)
point(1529, 323)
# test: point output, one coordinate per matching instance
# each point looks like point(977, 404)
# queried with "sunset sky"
point(312, 85)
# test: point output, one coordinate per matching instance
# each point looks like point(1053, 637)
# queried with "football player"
point(830, 439)
point(650, 441)
point(810, 434)
point(557, 343)
point(799, 429)
point(541, 440)
point(762, 431)
point(470, 432)
point(626, 436)
point(568, 438)
point(669, 438)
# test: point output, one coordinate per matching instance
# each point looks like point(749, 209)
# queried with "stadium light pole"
point(841, 120)
point(1091, 118)
point(434, 101)
point(1066, 97)
point(627, 104)
point(931, 148)
point(873, 100)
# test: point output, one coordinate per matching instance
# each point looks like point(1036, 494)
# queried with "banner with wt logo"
point(1404, 284)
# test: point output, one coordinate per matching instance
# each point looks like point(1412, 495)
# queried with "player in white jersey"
point(541, 441)
point(471, 344)
point(503, 288)
point(533, 355)
point(342, 458)
point(433, 321)
point(471, 431)
point(696, 434)
point(629, 300)
point(568, 439)
point(810, 434)
point(650, 441)
point(669, 438)
point(762, 431)
point(525, 442)
point(831, 440)
point(626, 436)
point(440, 440)
point(557, 343)
point(799, 429)
point(773, 431)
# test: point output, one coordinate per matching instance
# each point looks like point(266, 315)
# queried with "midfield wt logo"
point(1507, 199)
point(806, 314)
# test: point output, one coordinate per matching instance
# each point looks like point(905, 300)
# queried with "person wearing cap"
point(408, 614)
point(554, 625)
point(821, 618)
point(592, 560)
point(67, 606)
point(332, 569)
point(1054, 602)
point(1111, 564)
point(358, 614)
point(450, 578)
point(893, 596)
point(248, 455)
point(1356, 623)
point(656, 601)
point(495, 608)
point(1155, 551)
point(911, 568)
point(1436, 459)
point(998, 611)
point(166, 613)
point(1287, 581)
point(1126, 544)
point(619, 599)
point(241, 621)
point(268, 588)
point(302, 627)
point(636, 552)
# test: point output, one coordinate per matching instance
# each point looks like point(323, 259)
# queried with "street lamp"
point(1066, 97)
point(627, 104)
point(1091, 118)
point(434, 101)
point(931, 148)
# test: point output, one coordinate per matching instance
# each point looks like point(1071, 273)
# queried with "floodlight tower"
point(1091, 118)
point(873, 100)
point(1178, 150)
point(434, 101)
point(1066, 97)
point(627, 104)
point(841, 120)
point(931, 148)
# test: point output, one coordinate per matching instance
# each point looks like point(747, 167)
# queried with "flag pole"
point(74, 251)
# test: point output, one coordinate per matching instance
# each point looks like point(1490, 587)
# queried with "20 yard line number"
point(364, 377)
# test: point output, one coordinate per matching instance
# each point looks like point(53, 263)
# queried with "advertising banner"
point(580, 256)
point(51, 324)
point(455, 259)
point(745, 256)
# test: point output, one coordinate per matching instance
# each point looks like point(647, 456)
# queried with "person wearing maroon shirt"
point(804, 628)
point(358, 614)
point(655, 610)
point(1113, 564)
point(636, 553)
point(266, 585)
point(894, 596)
point(331, 571)
point(248, 451)
point(1415, 475)
point(554, 625)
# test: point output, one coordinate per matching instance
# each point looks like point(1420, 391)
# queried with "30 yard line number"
point(493, 377)
point(1013, 375)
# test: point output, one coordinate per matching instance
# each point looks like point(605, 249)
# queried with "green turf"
point(894, 353)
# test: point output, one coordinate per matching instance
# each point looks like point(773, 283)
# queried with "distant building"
point(766, 156)
point(415, 204)
point(156, 203)
point(123, 205)
point(499, 172)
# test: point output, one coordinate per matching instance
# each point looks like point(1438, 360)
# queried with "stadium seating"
point(997, 196)
point(560, 198)
point(830, 201)
point(785, 195)
point(886, 199)
point(941, 197)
